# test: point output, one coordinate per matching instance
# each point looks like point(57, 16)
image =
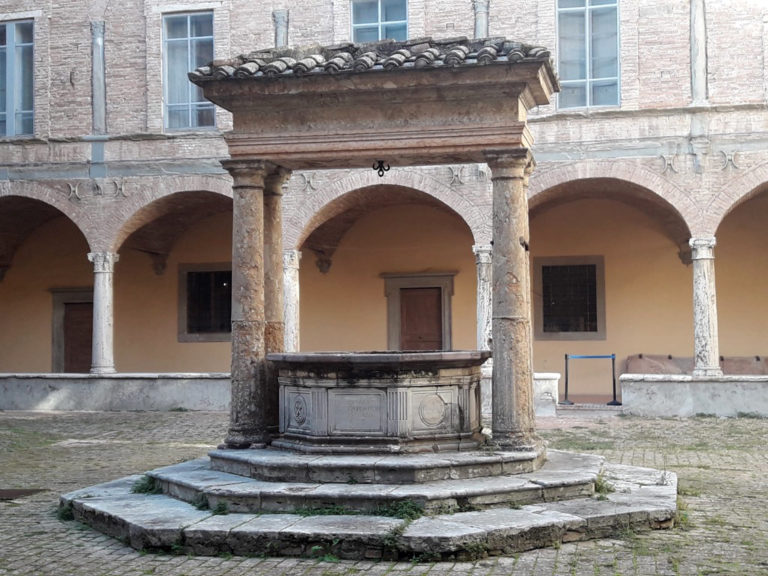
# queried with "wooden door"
point(78, 336)
point(421, 319)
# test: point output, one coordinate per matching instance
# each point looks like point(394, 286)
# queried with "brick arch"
point(735, 193)
point(154, 197)
point(296, 229)
point(659, 187)
point(52, 196)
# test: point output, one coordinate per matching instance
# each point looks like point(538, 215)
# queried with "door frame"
point(394, 282)
point(62, 296)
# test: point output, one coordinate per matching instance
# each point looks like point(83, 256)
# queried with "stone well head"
point(343, 402)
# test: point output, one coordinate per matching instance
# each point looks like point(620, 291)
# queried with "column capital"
point(291, 259)
point(103, 261)
point(516, 163)
point(247, 173)
point(275, 180)
point(703, 248)
point(480, 5)
point(483, 253)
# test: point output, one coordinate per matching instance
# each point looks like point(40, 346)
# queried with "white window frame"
point(192, 106)
point(12, 86)
point(589, 81)
point(538, 293)
point(380, 23)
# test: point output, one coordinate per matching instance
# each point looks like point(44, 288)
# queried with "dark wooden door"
point(78, 335)
point(421, 319)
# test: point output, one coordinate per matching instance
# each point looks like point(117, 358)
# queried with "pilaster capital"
point(103, 262)
point(275, 180)
point(480, 5)
point(280, 17)
point(702, 248)
point(517, 163)
point(483, 253)
point(291, 259)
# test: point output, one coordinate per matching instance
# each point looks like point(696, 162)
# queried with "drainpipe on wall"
point(481, 18)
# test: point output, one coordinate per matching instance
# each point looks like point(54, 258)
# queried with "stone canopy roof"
point(387, 55)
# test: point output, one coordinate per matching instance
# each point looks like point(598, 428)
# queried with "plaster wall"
point(54, 256)
point(146, 305)
point(346, 309)
point(742, 279)
point(646, 288)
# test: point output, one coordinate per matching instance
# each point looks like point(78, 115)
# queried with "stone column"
point(513, 414)
point(248, 423)
point(103, 347)
point(484, 278)
point(481, 18)
point(291, 260)
point(705, 339)
point(274, 327)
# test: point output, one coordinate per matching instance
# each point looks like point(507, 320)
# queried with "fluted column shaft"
point(291, 261)
point(513, 414)
point(103, 347)
point(705, 332)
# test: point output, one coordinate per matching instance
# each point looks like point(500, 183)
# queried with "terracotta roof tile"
point(359, 58)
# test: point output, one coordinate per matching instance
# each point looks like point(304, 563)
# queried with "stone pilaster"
point(274, 327)
point(103, 347)
point(248, 425)
point(705, 338)
point(513, 413)
point(291, 261)
point(483, 253)
point(699, 92)
point(481, 18)
point(280, 20)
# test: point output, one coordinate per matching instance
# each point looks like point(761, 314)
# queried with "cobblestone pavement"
point(721, 463)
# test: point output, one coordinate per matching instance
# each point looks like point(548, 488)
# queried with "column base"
point(241, 440)
point(518, 442)
point(707, 372)
point(103, 370)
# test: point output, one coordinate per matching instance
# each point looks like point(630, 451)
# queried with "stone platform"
point(206, 511)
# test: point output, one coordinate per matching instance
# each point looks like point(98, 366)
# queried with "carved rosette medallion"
point(300, 410)
point(432, 410)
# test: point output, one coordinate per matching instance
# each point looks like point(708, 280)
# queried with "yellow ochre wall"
point(741, 270)
point(346, 309)
point(648, 290)
point(146, 305)
point(53, 256)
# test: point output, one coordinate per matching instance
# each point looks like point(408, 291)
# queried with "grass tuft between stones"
point(146, 485)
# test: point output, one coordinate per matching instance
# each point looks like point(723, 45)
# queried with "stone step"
point(285, 466)
point(564, 475)
point(643, 499)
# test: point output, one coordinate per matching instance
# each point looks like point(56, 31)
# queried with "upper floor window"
point(16, 78)
point(588, 53)
point(187, 44)
point(374, 20)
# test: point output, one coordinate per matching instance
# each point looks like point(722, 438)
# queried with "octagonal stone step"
point(644, 499)
point(286, 466)
point(563, 476)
